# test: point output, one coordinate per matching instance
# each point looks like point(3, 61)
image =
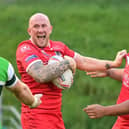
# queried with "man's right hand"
point(72, 63)
point(119, 57)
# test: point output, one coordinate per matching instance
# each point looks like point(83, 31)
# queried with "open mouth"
point(43, 36)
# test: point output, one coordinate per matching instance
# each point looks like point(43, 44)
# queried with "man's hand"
point(72, 63)
point(119, 57)
point(95, 111)
point(37, 100)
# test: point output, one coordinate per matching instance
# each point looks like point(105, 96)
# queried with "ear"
point(51, 28)
point(29, 31)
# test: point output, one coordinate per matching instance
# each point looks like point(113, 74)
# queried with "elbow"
point(23, 91)
point(83, 68)
point(42, 79)
point(20, 92)
point(37, 80)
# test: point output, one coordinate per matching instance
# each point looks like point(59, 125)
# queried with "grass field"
point(96, 28)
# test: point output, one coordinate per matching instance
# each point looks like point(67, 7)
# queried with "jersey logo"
point(30, 58)
point(24, 48)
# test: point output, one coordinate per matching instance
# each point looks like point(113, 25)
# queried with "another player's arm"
point(98, 111)
point(45, 73)
point(93, 64)
point(22, 92)
point(118, 109)
point(24, 95)
point(113, 73)
point(116, 74)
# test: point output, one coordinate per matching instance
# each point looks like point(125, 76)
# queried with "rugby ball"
point(66, 79)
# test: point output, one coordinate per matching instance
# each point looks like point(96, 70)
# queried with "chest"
point(46, 54)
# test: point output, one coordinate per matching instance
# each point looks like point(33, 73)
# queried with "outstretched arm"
point(98, 111)
point(113, 73)
point(93, 64)
point(23, 93)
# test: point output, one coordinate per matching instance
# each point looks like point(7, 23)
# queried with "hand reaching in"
point(37, 100)
point(95, 111)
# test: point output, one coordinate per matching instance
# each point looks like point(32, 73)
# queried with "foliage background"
point(95, 28)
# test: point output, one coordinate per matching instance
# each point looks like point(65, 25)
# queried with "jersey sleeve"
point(11, 77)
point(3, 71)
point(7, 74)
point(2, 79)
point(26, 56)
point(69, 52)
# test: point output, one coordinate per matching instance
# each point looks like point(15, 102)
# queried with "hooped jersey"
point(7, 75)
point(27, 54)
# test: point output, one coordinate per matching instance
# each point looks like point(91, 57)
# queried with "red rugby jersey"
point(28, 53)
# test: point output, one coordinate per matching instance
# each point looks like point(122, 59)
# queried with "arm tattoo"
point(45, 73)
point(107, 66)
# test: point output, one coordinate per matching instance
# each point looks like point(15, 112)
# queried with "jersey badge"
point(24, 48)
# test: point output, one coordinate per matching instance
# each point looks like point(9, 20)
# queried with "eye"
point(36, 26)
point(44, 25)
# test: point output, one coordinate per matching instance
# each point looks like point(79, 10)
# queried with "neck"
point(48, 43)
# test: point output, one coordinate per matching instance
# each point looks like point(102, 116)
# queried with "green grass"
point(96, 28)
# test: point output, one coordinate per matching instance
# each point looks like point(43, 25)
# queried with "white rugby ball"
point(66, 79)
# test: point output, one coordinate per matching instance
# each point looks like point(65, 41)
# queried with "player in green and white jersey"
point(9, 80)
point(7, 75)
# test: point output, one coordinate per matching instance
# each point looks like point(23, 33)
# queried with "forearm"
point(23, 93)
point(45, 73)
point(116, 74)
point(93, 64)
point(97, 64)
point(118, 109)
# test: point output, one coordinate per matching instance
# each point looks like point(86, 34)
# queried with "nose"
point(40, 29)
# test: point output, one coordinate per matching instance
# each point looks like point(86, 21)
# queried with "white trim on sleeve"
point(2, 83)
point(10, 71)
point(75, 55)
point(31, 64)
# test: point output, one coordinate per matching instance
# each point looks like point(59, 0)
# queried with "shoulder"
point(3, 62)
point(24, 46)
point(5, 67)
point(61, 47)
point(57, 44)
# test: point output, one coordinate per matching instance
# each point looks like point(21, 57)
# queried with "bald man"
point(32, 60)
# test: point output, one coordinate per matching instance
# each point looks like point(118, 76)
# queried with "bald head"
point(38, 16)
point(39, 29)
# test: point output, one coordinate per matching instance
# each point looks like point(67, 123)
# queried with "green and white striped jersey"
point(7, 74)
